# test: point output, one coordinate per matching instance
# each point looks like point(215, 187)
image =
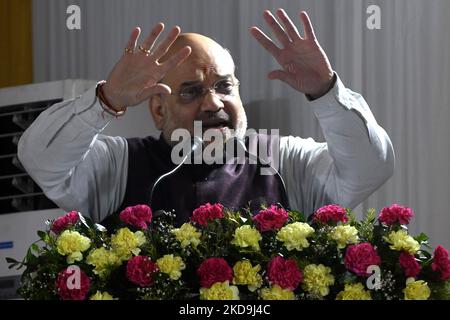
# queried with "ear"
point(157, 110)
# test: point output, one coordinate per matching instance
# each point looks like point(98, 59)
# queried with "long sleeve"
point(76, 167)
point(357, 158)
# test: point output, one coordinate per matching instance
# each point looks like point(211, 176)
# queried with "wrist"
point(105, 102)
point(328, 85)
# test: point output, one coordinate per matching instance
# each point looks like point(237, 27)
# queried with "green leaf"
point(11, 260)
point(349, 277)
point(421, 238)
point(371, 215)
point(42, 234)
point(297, 216)
point(35, 248)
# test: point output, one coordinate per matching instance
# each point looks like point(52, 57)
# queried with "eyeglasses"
point(224, 89)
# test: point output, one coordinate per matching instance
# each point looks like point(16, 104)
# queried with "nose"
point(211, 102)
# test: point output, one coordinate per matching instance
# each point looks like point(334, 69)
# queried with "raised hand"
point(136, 75)
point(305, 65)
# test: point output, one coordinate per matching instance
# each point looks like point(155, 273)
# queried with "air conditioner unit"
point(23, 206)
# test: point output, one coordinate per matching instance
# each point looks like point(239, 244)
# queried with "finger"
point(265, 41)
point(131, 44)
point(276, 27)
point(282, 76)
point(159, 88)
point(307, 26)
point(176, 59)
point(164, 46)
point(153, 36)
point(289, 26)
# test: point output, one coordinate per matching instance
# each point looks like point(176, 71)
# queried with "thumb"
point(156, 89)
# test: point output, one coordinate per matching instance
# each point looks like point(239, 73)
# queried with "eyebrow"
point(190, 83)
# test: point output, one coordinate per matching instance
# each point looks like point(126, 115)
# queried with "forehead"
point(204, 66)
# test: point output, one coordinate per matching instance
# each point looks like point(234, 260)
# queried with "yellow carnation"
point(294, 235)
point(416, 290)
point(103, 260)
point(171, 265)
point(276, 293)
point(220, 291)
point(246, 274)
point(71, 244)
point(344, 235)
point(401, 241)
point(101, 296)
point(317, 279)
point(187, 235)
point(354, 291)
point(246, 236)
point(125, 243)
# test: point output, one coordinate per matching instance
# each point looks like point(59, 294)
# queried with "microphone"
point(196, 142)
point(241, 145)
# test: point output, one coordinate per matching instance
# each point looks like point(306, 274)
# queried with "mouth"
point(216, 124)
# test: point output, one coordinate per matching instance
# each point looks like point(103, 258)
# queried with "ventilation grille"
point(18, 192)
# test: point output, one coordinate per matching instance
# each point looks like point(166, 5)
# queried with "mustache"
point(220, 117)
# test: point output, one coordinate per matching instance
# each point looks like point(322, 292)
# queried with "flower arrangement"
point(221, 254)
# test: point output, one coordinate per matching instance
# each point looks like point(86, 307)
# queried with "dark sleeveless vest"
point(235, 186)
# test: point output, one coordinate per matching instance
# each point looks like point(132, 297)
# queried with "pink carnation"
point(137, 216)
point(214, 270)
point(272, 218)
point(441, 262)
point(284, 272)
point(409, 264)
point(64, 222)
point(66, 284)
point(359, 257)
point(395, 213)
point(331, 213)
point(140, 270)
point(207, 212)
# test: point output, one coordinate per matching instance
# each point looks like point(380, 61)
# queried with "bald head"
point(205, 51)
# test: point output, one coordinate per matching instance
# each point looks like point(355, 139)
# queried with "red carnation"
point(409, 264)
point(64, 222)
point(284, 272)
point(272, 218)
point(214, 270)
point(331, 213)
point(140, 270)
point(359, 257)
point(72, 284)
point(441, 262)
point(395, 213)
point(137, 216)
point(207, 212)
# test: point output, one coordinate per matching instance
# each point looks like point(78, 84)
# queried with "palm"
point(137, 74)
point(305, 65)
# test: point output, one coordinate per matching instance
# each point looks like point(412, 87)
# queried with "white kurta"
point(81, 169)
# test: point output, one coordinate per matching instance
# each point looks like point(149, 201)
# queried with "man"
point(190, 77)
